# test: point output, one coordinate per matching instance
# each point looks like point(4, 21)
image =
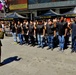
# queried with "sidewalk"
point(26, 60)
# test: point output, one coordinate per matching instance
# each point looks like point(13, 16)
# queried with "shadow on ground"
point(11, 59)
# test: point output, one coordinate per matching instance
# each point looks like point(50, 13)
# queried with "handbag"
point(1, 35)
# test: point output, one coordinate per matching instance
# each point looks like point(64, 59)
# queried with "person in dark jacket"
point(67, 34)
point(19, 32)
point(62, 31)
point(40, 33)
point(51, 32)
point(0, 45)
point(31, 29)
point(25, 31)
point(73, 26)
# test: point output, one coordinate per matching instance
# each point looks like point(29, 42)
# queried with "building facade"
point(33, 8)
point(38, 7)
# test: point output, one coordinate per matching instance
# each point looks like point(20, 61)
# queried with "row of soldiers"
point(52, 32)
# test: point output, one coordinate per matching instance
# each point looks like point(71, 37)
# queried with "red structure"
point(17, 4)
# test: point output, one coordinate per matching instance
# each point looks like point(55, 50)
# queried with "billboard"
point(17, 4)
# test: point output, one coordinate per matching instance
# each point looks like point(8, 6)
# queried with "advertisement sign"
point(17, 4)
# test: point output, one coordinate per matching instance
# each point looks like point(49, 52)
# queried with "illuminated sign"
point(70, 15)
point(45, 17)
point(17, 4)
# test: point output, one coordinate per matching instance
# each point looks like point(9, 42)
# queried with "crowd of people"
point(49, 32)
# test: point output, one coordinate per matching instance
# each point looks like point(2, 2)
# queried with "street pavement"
point(26, 60)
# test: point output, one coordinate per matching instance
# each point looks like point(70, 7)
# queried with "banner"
point(17, 4)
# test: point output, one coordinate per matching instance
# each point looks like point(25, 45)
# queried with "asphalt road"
point(26, 60)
